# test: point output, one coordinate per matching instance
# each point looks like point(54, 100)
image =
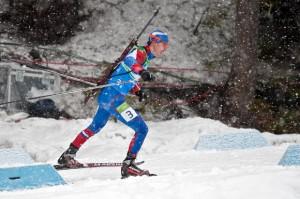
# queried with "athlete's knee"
point(138, 139)
point(143, 129)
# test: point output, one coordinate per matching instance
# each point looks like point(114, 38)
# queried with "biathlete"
point(111, 102)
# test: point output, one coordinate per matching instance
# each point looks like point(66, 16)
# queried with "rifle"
point(109, 70)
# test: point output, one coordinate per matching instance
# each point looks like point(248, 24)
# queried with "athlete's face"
point(158, 48)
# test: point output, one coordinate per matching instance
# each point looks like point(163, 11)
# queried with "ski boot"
point(68, 157)
point(130, 168)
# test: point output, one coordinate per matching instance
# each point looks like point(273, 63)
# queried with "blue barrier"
point(231, 141)
point(28, 177)
point(291, 157)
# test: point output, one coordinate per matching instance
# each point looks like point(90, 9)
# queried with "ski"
point(91, 165)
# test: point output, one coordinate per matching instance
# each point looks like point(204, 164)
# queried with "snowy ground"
point(168, 151)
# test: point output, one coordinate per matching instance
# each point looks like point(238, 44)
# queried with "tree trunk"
point(240, 88)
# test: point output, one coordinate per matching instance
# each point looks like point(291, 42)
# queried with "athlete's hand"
point(147, 76)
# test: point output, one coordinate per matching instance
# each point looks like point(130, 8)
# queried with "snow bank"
point(282, 139)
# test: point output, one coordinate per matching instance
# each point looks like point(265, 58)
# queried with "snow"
point(14, 157)
point(168, 151)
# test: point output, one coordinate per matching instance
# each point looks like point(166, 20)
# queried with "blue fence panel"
point(28, 177)
point(291, 157)
point(231, 141)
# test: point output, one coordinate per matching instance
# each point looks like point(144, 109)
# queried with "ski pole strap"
point(67, 92)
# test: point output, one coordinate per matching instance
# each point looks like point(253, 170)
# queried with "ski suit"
point(111, 100)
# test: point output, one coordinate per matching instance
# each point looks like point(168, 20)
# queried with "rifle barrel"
point(150, 20)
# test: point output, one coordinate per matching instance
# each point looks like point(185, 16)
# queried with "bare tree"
point(240, 88)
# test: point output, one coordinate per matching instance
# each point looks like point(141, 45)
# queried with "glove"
point(147, 76)
point(142, 95)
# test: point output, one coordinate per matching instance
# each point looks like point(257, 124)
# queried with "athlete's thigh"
point(129, 116)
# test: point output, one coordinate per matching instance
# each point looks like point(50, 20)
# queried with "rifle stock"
point(109, 70)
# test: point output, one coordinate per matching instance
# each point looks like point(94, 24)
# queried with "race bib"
point(126, 112)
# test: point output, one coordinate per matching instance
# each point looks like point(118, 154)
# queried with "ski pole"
point(66, 92)
point(36, 66)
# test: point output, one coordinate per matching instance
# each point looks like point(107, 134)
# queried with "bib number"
point(126, 112)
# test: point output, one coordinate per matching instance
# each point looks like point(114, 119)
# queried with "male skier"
point(112, 102)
